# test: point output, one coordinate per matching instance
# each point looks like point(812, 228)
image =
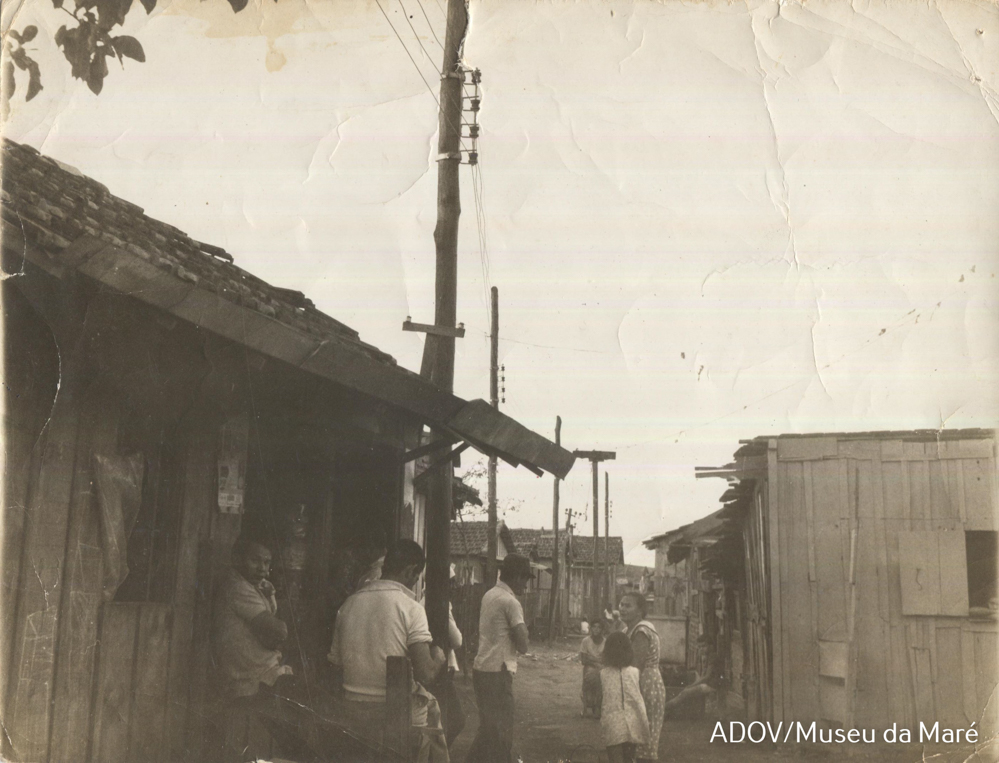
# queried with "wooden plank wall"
point(902, 669)
point(90, 678)
point(130, 698)
point(59, 585)
point(759, 706)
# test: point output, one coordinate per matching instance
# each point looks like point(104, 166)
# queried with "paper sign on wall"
point(232, 464)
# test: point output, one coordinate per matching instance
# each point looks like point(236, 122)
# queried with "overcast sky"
point(706, 221)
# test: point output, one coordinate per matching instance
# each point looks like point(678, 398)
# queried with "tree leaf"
point(20, 58)
point(57, 3)
point(112, 12)
point(148, 5)
point(98, 71)
point(29, 33)
point(8, 78)
point(34, 80)
point(16, 35)
point(238, 5)
point(128, 47)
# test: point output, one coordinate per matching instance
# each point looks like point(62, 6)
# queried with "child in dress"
point(623, 720)
point(591, 655)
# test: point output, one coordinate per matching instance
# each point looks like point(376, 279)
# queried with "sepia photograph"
point(499, 381)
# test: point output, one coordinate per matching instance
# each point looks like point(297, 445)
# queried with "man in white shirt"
point(502, 635)
point(383, 619)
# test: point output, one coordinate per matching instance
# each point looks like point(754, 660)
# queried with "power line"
point(415, 34)
point(429, 24)
point(418, 70)
point(551, 346)
point(476, 186)
point(480, 222)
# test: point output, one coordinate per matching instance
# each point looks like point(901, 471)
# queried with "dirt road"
point(549, 728)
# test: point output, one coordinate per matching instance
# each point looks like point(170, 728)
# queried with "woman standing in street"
point(645, 645)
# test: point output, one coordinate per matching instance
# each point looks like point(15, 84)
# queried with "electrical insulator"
point(473, 157)
point(477, 76)
point(473, 131)
point(474, 104)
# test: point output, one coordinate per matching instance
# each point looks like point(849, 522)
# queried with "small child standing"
point(623, 720)
point(591, 655)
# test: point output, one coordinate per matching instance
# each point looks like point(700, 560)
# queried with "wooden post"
point(398, 720)
point(439, 354)
point(595, 579)
point(553, 593)
point(595, 457)
point(491, 543)
point(607, 563)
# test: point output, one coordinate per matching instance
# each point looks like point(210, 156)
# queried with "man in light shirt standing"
point(502, 635)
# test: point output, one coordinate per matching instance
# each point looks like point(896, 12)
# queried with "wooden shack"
point(862, 576)
point(158, 400)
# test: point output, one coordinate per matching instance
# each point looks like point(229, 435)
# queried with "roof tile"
point(55, 204)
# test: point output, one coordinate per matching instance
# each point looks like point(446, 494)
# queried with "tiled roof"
point(54, 205)
point(525, 539)
point(541, 543)
point(582, 549)
point(546, 543)
point(472, 538)
point(468, 538)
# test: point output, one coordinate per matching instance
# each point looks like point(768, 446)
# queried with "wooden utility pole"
point(566, 563)
point(607, 572)
point(491, 542)
point(438, 352)
point(553, 593)
point(595, 457)
point(597, 578)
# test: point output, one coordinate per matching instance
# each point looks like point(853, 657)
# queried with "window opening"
point(982, 569)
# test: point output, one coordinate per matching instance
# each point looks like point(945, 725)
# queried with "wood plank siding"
point(894, 512)
point(106, 665)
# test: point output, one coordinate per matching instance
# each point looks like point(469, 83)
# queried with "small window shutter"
point(934, 573)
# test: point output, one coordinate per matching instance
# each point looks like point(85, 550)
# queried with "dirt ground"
point(549, 728)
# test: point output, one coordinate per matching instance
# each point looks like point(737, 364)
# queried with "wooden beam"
point(595, 455)
point(438, 462)
point(427, 449)
point(428, 328)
